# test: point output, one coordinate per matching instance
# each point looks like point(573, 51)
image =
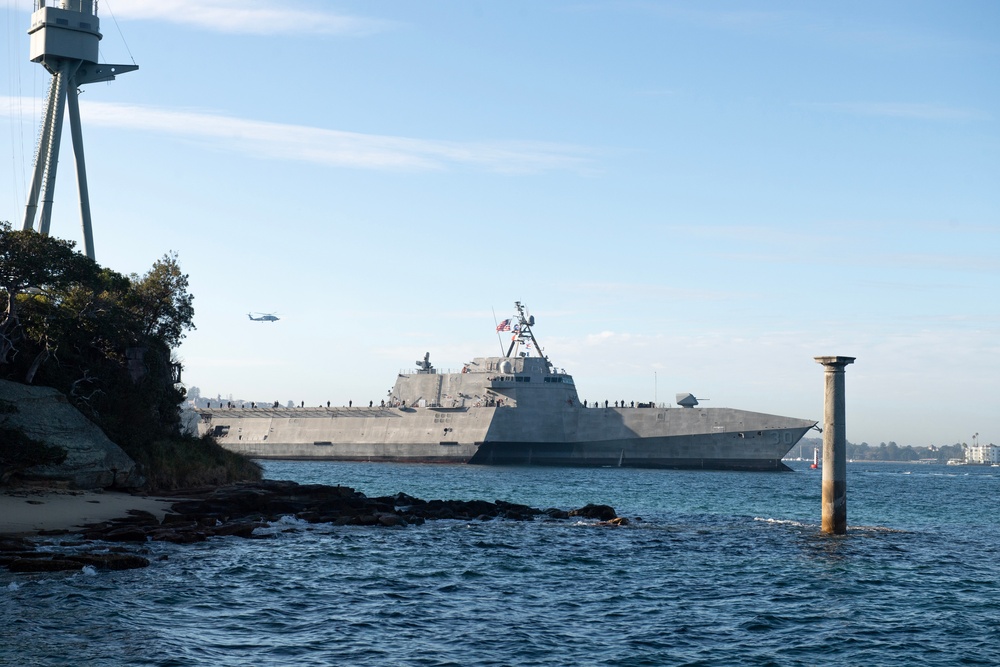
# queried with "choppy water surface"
point(723, 569)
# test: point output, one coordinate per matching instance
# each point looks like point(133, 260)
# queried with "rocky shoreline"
point(241, 509)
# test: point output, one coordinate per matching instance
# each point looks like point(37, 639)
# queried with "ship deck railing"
point(307, 411)
point(442, 371)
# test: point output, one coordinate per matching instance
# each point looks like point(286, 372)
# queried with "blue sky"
point(688, 196)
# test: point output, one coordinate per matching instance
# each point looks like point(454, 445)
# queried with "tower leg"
point(65, 75)
point(44, 141)
point(76, 131)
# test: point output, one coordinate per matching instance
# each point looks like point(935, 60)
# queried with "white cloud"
point(246, 16)
point(327, 147)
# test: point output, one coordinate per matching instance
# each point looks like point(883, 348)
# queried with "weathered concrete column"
point(834, 446)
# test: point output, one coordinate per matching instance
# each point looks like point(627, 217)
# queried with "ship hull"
point(702, 439)
point(616, 454)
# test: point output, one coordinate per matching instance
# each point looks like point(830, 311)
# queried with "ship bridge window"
point(521, 378)
point(553, 378)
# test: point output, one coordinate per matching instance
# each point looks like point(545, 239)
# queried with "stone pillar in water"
point(834, 446)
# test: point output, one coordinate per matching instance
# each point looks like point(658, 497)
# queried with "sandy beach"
point(27, 511)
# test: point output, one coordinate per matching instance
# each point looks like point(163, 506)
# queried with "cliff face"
point(92, 460)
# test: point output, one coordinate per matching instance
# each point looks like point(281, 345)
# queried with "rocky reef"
point(239, 510)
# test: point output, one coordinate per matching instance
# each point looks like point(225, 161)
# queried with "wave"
point(785, 522)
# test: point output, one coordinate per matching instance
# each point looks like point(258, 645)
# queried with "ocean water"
point(723, 568)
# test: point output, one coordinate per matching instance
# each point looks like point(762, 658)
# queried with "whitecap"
point(89, 570)
point(784, 522)
point(13, 586)
point(283, 524)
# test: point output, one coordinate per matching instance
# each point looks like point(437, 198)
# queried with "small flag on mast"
point(504, 326)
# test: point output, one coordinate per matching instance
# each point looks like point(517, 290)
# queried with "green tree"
point(33, 264)
point(161, 303)
point(892, 452)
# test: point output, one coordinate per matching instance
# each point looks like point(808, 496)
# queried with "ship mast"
point(524, 324)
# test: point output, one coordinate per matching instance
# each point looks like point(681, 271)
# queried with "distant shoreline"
point(921, 463)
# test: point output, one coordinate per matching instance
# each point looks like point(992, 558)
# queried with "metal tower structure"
point(64, 39)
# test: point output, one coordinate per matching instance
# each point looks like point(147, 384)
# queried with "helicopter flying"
point(263, 317)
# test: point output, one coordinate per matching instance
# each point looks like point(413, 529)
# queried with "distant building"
point(983, 454)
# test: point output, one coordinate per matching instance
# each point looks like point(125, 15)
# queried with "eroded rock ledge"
point(45, 415)
point(240, 509)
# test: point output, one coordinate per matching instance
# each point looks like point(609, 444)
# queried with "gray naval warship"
point(514, 409)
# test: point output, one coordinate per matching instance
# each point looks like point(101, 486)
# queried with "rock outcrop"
point(92, 460)
point(241, 509)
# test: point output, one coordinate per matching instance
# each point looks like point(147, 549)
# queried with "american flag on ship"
point(504, 326)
